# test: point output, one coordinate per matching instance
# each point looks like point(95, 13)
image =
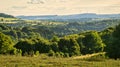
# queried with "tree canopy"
point(6, 44)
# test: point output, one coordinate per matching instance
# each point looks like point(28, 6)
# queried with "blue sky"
point(59, 7)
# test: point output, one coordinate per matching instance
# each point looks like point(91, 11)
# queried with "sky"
point(59, 7)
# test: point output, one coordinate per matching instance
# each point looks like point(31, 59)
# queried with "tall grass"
point(45, 61)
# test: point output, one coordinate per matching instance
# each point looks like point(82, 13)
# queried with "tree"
point(26, 46)
point(107, 37)
point(54, 46)
point(55, 39)
point(3, 27)
point(6, 44)
point(79, 40)
point(114, 48)
point(93, 43)
point(75, 48)
point(42, 45)
point(68, 45)
point(2, 19)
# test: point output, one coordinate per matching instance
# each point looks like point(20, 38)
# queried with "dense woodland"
point(60, 39)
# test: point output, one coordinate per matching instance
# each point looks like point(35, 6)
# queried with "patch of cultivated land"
point(45, 61)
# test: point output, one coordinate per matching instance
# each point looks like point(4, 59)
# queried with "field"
point(45, 61)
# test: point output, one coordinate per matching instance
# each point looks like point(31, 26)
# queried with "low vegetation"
point(45, 61)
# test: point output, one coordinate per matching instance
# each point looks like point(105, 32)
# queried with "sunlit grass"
point(45, 61)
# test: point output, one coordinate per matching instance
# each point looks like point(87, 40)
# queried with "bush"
point(37, 53)
point(16, 52)
point(66, 55)
point(31, 53)
point(51, 53)
point(61, 54)
point(57, 54)
point(25, 54)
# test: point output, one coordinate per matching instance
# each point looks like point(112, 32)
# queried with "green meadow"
point(45, 61)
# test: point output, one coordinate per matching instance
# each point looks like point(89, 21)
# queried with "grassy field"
point(45, 61)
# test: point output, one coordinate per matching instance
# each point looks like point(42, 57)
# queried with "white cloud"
point(19, 7)
point(36, 2)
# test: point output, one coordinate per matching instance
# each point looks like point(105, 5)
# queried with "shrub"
point(16, 52)
point(25, 54)
point(51, 53)
point(57, 54)
point(66, 54)
point(37, 53)
point(31, 53)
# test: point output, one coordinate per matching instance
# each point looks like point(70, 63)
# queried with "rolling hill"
point(80, 17)
point(6, 15)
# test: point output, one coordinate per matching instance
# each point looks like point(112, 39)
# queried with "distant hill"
point(82, 17)
point(6, 15)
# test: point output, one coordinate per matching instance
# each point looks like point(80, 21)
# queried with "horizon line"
point(62, 14)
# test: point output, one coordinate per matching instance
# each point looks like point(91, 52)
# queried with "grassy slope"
point(45, 61)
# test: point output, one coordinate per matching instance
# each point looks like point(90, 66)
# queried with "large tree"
point(6, 44)
point(92, 42)
point(69, 45)
point(114, 48)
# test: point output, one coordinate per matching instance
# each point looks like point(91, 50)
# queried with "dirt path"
point(87, 56)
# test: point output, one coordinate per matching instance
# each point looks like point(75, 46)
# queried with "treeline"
point(26, 28)
point(24, 31)
point(70, 45)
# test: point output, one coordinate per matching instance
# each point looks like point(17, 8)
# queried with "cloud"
point(19, 7)
point(36, 2)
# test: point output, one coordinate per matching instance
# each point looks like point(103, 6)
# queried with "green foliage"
point(32, 45)
point(43, 46)
point(114, 48)
point(55, 39)
point(93, 43)
point(57, 54)
point(6, 44)
point(80, 42)
point(33, 37)
point(54, 46)
point(17, 52)
point(51, 53)
point(66, 54)
point(25, 46)
point(37, 53)
point(3, 27)
point(70, 46)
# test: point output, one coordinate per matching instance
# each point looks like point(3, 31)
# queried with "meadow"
point(45, 61)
